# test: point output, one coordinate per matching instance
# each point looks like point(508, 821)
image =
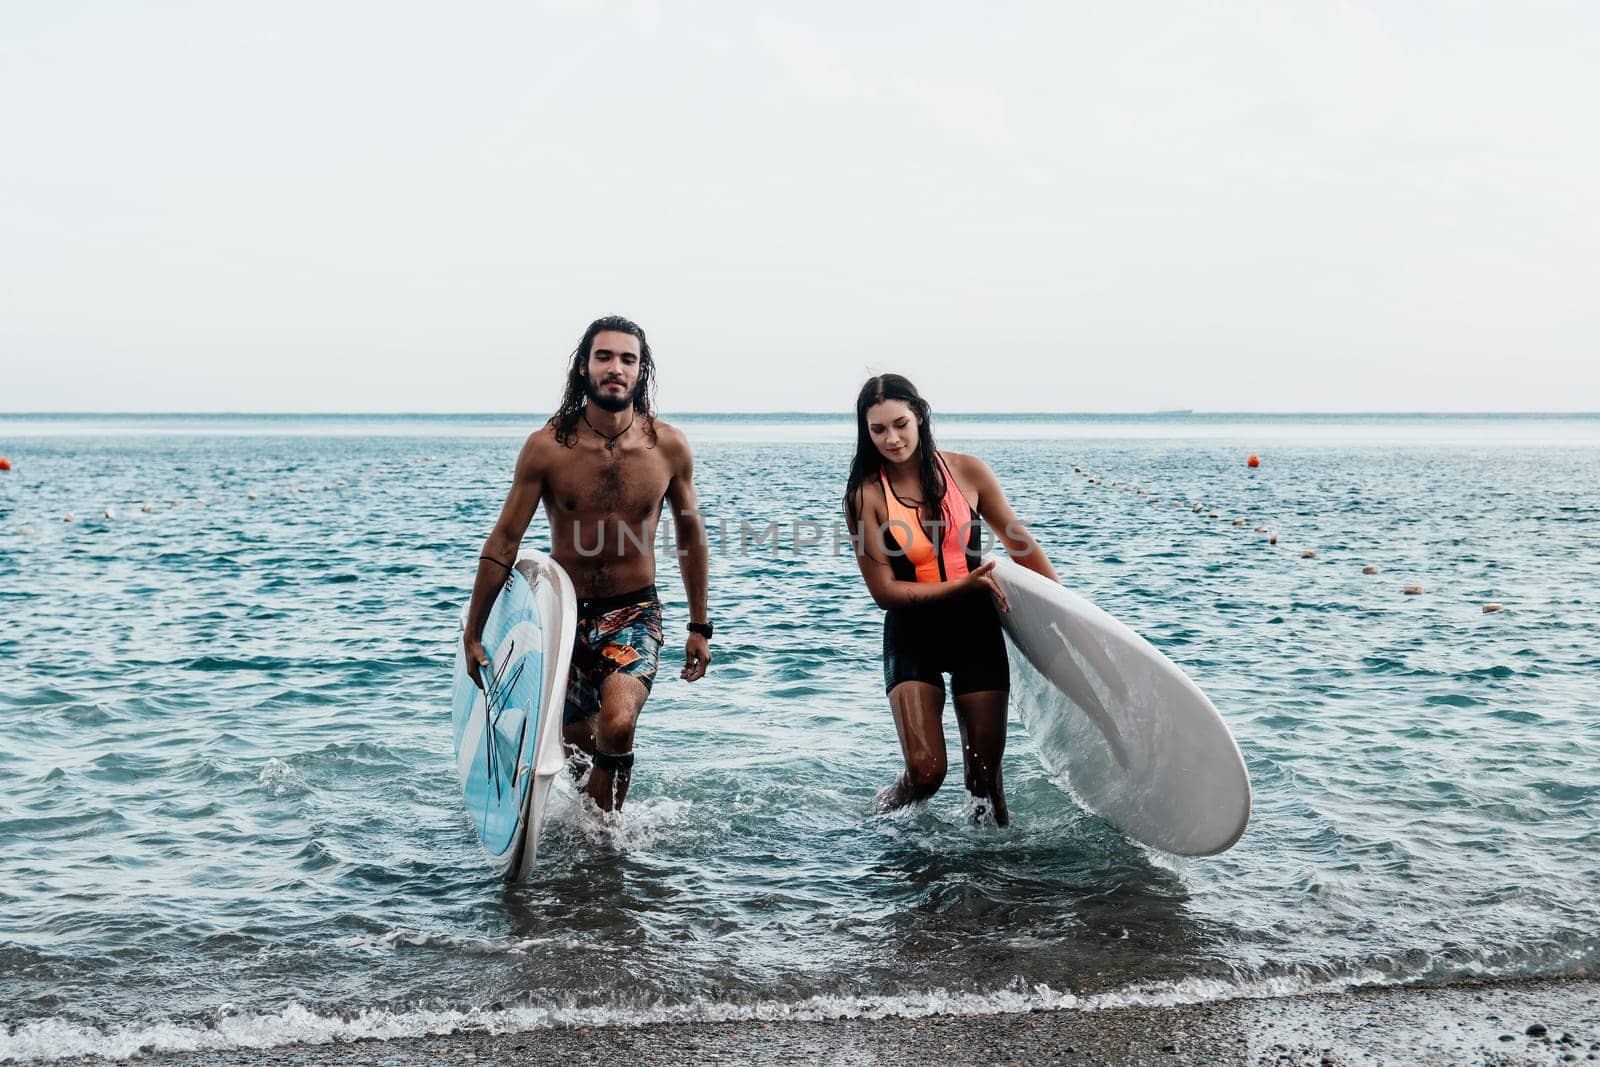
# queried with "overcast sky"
point(394, 206)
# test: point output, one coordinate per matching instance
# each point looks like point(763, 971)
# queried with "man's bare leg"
point(580, 734)
point(611, 740)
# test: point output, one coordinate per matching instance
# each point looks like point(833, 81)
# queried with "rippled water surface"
point(227, 804)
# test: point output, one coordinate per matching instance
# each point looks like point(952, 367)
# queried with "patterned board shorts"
point(616, 635)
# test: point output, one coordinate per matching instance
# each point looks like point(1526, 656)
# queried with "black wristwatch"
point(701, 628)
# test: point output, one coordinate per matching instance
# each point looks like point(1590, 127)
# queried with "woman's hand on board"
point(981, 578)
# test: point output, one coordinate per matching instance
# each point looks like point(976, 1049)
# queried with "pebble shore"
point(1503, 1023)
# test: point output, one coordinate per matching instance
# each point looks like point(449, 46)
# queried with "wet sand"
point(1462, 1024)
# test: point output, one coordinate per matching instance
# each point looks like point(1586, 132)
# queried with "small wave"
point(280, 778)
point(645, 822)
point(228, 663)
point(472, 946)
point(1454, 700)
point(52, 1039)
point(1497, 671)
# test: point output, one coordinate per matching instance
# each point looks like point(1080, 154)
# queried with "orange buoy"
point(1253, 462)
point(5, 463)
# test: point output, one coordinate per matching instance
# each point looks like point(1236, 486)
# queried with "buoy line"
point(1254, 463)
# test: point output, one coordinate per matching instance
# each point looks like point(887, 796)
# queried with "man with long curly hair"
point(602, 465)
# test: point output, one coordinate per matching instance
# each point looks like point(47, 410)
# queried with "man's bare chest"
point(623, 486)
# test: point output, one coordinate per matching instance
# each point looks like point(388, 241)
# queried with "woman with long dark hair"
point(915, 515)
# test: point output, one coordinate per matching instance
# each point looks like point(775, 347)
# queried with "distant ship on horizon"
point(1176, 411)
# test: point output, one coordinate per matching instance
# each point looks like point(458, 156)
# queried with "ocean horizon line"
point(844, 415)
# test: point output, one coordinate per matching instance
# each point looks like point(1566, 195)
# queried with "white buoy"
point(251, 495)
point(1309, 553)
point(111, 513)
point(147, 507)
point(1369, 569)
point(1490, 609)
point(1213, 514)
point(1261, 529)
point(69, 517)
point(1238, 522)
point(1412, 590)
point(26, 530)
point(1273, 539)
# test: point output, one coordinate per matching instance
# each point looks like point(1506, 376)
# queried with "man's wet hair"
point(565, 420)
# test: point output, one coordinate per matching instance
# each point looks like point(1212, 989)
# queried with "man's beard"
point(606, 402)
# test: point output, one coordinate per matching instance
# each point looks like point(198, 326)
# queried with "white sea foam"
point(472, 946)
point(279, 777)
point(642, 824)
point(51, 1040)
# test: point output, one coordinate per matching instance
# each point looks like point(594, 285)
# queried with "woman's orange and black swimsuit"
point(958, 635)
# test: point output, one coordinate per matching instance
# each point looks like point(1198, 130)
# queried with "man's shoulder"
point(671, 440)
point(540, 445)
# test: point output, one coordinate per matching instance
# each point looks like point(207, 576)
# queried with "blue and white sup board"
point(508, 734)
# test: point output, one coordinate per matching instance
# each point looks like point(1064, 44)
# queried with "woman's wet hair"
point(868, 461)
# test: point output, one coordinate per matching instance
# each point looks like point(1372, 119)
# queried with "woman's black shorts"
point(959, 636)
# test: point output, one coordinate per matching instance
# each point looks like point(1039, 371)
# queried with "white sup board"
point(508, 734)
point(1134, 737)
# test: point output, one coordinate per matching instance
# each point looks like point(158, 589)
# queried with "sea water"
point(229, 813)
